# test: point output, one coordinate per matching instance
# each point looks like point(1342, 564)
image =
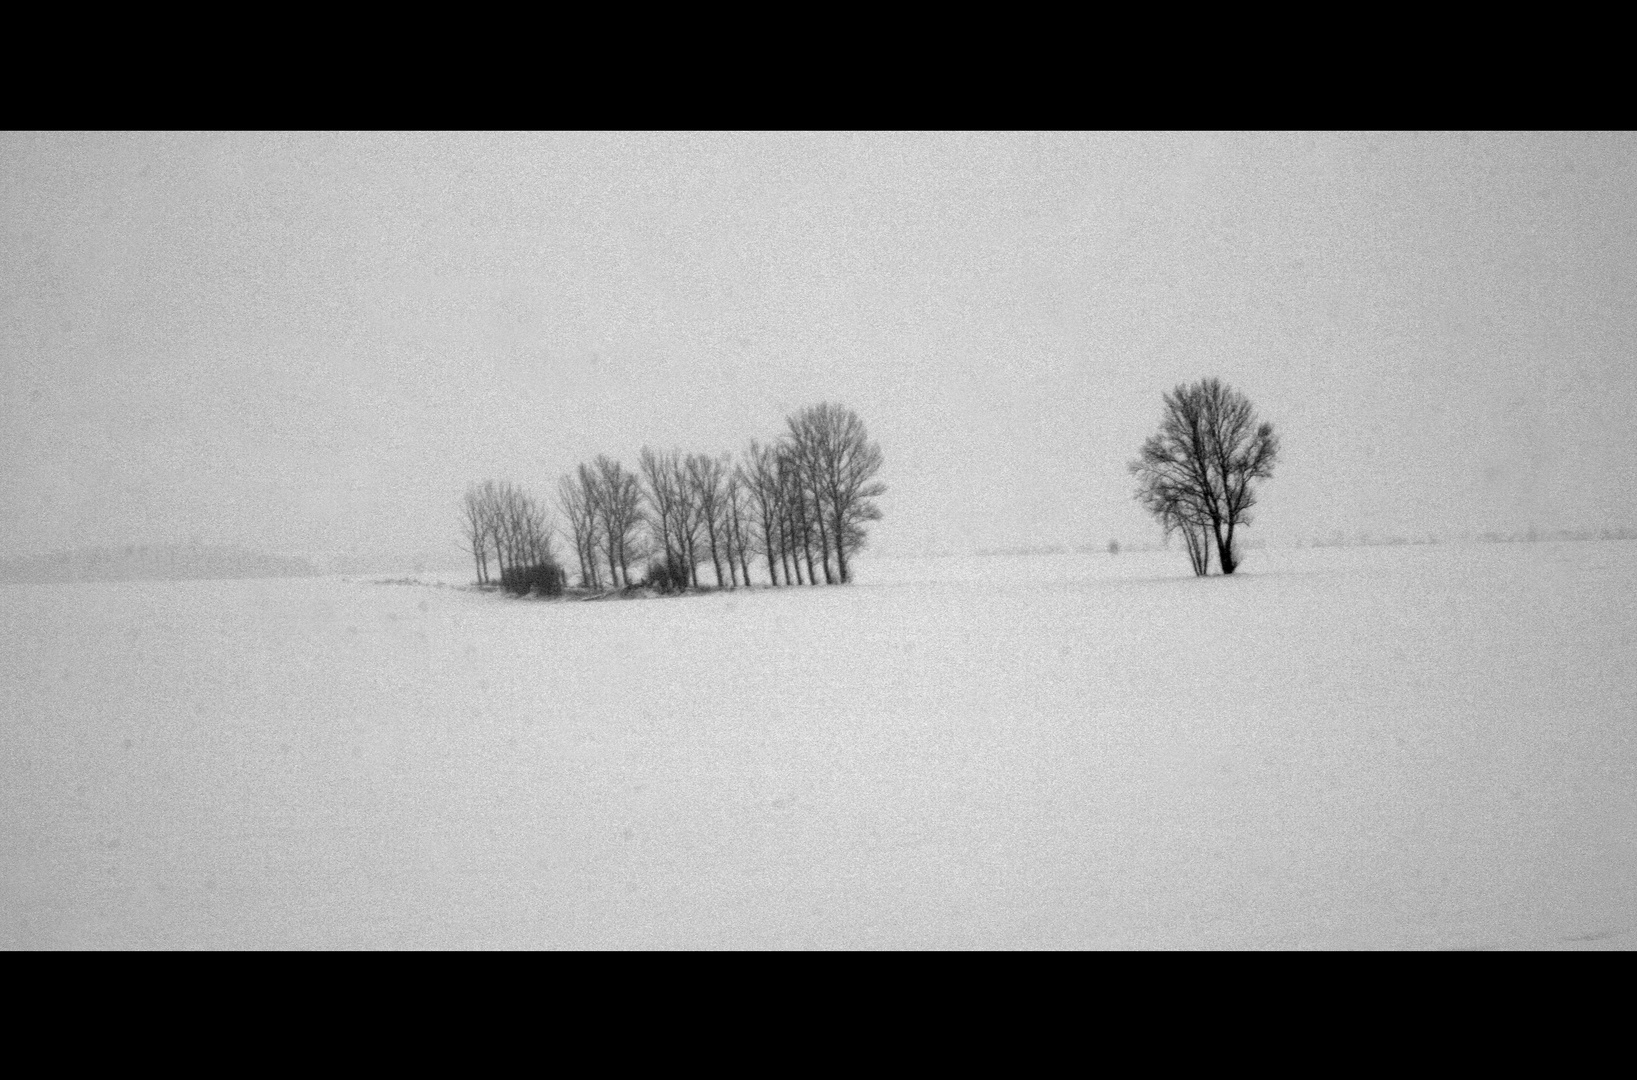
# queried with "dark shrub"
point(541, 578)
point(667, 577)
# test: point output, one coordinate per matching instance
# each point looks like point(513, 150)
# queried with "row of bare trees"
point(798, 505)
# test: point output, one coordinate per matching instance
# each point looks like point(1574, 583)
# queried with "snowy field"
point(1400, 748)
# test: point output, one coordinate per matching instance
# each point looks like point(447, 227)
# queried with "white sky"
point(313, 342)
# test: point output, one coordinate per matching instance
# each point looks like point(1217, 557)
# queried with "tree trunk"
point(1226, 554)
point(841, 554)
point(824, 542)
point(787, 538)
point(1224, 549)
point(1199, 548)
point(804, 541)
point(768, 544)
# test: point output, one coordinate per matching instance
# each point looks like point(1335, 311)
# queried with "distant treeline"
point(1046, 549)
point(1531, 536)
point(1528, 536)
point(795, 506)
point(163, 562)
point(1112, 547)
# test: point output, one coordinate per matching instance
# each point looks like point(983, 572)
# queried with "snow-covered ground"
point(1422, 747)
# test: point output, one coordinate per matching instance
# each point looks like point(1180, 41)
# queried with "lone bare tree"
point(1196, 473)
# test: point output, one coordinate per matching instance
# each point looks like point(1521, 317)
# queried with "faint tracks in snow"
point(1600, 935)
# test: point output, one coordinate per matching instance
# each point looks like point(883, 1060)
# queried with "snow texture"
point(1369, 748)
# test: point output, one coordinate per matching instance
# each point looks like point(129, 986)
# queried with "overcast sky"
point(311, 343)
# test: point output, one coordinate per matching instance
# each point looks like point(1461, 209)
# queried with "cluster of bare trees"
point(798, 505)
point(1195, 475)
point(503, 520)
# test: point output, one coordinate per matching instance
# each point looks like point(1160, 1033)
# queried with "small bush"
point(667, 577)
point(541, 578)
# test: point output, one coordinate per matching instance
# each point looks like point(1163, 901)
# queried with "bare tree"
point(625, 492)
point(1242, 450)
point(760, 471)
point(1197, 471)
point(533, 531)
point(618, 505)
point(582, 525)
point(741, 535)
point(1176, 513)
point(689, 517)
point(796, 517)
point(591, 494)
point(802, 439)
point(474, 529)
point(705, 482)
point(508, 517)
point(491, 502)
point(664, 506)
point(840, 463)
